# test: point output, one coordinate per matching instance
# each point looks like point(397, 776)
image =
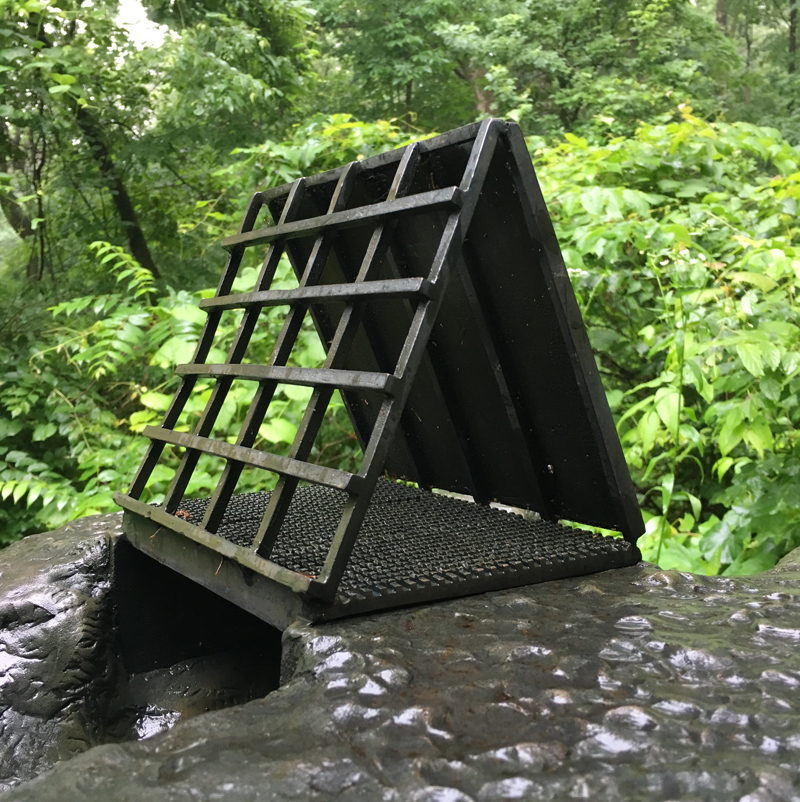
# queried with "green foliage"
point(105, 370)
point(683, 247)
point(680, 232)
point(684, 250)
point(552, 65)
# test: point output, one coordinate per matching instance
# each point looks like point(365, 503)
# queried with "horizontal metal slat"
point(306, 471)
point(374, 213)
point(297, 582)
point(325, 293)
point(305, 377)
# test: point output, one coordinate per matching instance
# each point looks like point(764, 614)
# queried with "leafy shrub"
point(684, 250)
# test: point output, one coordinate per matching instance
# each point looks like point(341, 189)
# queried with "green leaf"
point(679, 233)
point(157, 401)
point(175, 351)
point(667, 406)
point(19, 491)
point(593, 201)
point(278, 430)
point(692, 188)
point(648, 429)
point(730, 437)
point(614, 398)
point(759, 436)
point(750, 355)
point(44, 431)
point(759, 280)
point(770, 388)
point(667, 486)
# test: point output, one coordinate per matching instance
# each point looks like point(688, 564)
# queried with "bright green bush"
point(684, 249)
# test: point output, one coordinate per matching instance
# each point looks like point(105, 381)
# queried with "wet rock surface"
point(56, 655)
point(100, 644)
point(633, 684)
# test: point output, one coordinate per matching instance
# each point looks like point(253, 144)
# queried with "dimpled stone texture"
point(635, 684)
point(57, 667)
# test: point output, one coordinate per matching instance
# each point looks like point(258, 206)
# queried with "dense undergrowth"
point(683, 245)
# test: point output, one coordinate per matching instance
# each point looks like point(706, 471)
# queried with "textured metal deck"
point(419, 545)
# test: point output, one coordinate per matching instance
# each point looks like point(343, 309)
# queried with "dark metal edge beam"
point(297, 582)
point(265, 598)
point(455, 137)
point(499, 579)
point(376, 213)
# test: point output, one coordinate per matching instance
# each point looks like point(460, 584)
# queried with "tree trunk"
point(102, 155)
point(122, 201)
point(15, 214)
point(484, 98)
point(722, 14)
point(793, 36)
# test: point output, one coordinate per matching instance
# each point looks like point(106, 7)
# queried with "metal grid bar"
point(307, 471)
point(204, 345)
point(337, 354)
point(376, 213)
point(235, 355)
point(326, 293)
point(281, 351)
point(306, 377)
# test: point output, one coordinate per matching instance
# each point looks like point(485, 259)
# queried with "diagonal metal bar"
point(337, 354)
point(235, 354)
point(204, 344)
point(413, 351)
point(376, 213)
point(532, 477)
point(281, 351)
point(280, 354)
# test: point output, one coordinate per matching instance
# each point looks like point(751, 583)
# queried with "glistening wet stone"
point(636, 684)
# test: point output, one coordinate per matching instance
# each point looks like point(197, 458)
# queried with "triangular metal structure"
point(437, 287)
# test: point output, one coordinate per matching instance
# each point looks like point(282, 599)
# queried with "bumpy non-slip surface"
point(413, 541)
point(635, 684)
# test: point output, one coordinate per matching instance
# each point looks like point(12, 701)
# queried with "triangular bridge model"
point(451, 331)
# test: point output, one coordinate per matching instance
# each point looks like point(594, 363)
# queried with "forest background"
point(665, 134)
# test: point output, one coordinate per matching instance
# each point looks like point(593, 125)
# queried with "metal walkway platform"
point(414, 547)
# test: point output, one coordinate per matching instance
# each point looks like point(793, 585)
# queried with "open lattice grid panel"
point(436, 286)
